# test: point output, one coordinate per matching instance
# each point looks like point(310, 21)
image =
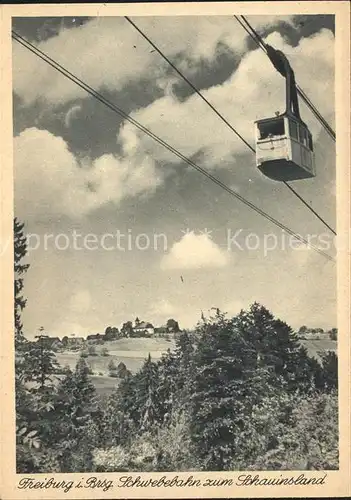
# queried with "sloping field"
point(131, 352)
point(141, 345)
point(99, 364)
point(104, 385)
point(315, 346)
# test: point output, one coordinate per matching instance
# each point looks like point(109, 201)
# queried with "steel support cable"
point(261, 44)
point(309, 207)
point(256, 40)
point(116, 109)
point(189, 82)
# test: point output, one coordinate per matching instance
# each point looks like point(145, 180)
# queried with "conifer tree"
point(277, 347)
point(176, 371)
point(226, 366)
point(146, 395)
point(71, 430)
point(40, 363)
point(20, 251)
point(329, 370)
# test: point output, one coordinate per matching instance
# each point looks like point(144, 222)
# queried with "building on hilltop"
point(161, 331)
point(50, 342)
point(96, 336)
point(143, 327)
point(73, 341)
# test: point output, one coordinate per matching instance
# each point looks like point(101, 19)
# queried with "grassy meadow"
point(133, 352)
point(130, 351)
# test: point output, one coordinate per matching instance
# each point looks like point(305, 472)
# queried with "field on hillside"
point(322, 345)
point(133, 352)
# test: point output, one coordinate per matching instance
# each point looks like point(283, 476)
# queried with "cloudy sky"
point(120, 227)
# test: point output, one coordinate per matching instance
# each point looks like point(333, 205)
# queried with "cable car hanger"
point(284, 148)
point(282, 65)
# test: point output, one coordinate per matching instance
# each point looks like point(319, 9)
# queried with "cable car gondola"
point(284, 146)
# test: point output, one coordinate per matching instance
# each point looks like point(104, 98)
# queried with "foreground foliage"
point(237, 393)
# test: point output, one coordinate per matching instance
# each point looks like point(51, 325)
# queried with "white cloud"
point(195, 251)
point(255, 90)
point(108, 52)
point(49, 179)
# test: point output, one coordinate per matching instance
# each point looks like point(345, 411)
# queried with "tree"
point(127, 329)
point(226, 386)
point(176, 371)
point(277, 347)
point(122, 371)
point(329, 362)
point(111, 333)
point(92, 350)
point(333, 334)
point(71, 431)
point(238, 363)
point(172, 326)
point(20, 251)
point(137, 397)
point(39, 362)
point(112, 368)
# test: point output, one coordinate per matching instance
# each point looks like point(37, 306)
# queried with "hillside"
point(130, 351)
point(314, 346)
point(133, 351)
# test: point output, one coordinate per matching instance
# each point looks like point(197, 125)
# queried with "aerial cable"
point(309, 207)
point(189, 83)
point(255, 39)
point(39, 53)
point(258, 41)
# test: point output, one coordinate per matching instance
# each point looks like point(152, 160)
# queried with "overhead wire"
point(197, 91)
point(261, 44)
point(57, 66)
point(309, 207)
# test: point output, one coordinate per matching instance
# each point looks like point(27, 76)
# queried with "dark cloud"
point(308, 25)
point(41, 28)
point(206, 74)
point(303, 27)
point(93, 131)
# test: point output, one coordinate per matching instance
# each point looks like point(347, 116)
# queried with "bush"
point(302, 434)
point(104, 351)
point(333, 334)
point(84, 353)
point(92, 350)
point(114, 459)
point(167, 448)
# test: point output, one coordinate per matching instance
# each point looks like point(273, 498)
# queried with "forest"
point(236, 393)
